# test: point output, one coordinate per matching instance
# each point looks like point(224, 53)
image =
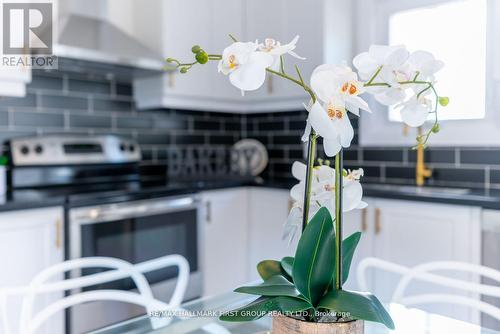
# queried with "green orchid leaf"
point(275, 286)
point(263, 305)
point(269, 268)
point(359, 305)
point(314, 262)
point(348, 247)
point(286, 304)
point(287, 265)
point(253, 311)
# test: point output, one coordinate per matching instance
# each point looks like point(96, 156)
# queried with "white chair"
point(29, 323)
point(423, 272)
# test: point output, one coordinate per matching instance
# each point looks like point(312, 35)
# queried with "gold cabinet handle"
point(208, 212)
point(364, 224)
point(58, 233)
point(378, 223)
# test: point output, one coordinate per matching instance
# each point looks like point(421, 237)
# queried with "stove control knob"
point(25, 150)
point(122, 147)
point(131, 148)
point(38, 149)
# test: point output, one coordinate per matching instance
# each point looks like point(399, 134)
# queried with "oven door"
point(134, 231)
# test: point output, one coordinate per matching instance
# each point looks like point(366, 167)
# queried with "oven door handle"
point(113, 212)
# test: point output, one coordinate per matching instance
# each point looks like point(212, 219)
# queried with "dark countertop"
point(30, 200)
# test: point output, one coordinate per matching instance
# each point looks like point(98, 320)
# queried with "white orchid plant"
point(311, 282)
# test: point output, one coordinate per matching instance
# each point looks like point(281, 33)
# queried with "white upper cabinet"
point(13, 81)
point(177, 25)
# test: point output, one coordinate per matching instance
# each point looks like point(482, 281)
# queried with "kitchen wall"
point(74, 100)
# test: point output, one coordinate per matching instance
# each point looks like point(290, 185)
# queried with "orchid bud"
point(202, 57)
point(436, 128)
point(170, 60)
point(444, 100)
point(183, 70)
point(195, 49)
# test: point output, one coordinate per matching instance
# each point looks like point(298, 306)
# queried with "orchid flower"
point(390, 64)
point(338, 89)
point(322, 194)
point(276, 50)
point(423, 65)
point(415, 111)
point(245, 65)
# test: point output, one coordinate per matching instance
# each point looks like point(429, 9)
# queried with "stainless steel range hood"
point(96, 40)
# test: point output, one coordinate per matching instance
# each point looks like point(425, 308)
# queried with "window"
point(455, 32)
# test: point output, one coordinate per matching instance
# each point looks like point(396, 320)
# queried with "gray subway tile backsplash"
point(64, 102)
point(486, 156)
point(28, 101)
point(38, 119)
point(72, 101)
point(86, 86)
point(89, 121)
point(4, 118)
point(141, 121)
point(109, 104)
point(45, 82)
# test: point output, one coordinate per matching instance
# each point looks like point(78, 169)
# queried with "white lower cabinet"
point(268, 212)
point(240, 228)
point(410, 233)
point(30, 241)
point(224, 239)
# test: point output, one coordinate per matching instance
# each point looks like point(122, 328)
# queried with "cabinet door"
point(411, 233)
point(30, 241)
point(224, 237)
point(268, 211)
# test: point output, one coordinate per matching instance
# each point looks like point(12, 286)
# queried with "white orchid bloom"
point(415, 111)
point(391, 61)
point(245, 65)
point(352, 191)
point(322, 194)
point(337, 89)
point(276, 50)
point(424, 64)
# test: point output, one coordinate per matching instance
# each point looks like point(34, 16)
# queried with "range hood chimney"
point(86, 32)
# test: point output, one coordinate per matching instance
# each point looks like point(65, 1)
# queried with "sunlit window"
point(456, 33)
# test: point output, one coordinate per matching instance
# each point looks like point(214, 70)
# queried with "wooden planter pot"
point(286, 325)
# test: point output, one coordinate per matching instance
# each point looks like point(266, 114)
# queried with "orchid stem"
point(298, 82)
point(311, 153)
point(338, 219)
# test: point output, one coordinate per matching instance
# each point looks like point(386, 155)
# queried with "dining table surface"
point(200, 316)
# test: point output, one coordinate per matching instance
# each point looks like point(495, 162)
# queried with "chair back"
point(424, 272)
point(42, 283)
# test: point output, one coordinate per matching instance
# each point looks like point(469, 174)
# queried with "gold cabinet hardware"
point(378, 223)
point(364, 225)
point(58, 233)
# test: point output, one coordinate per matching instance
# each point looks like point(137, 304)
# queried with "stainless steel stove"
point(110, 211)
